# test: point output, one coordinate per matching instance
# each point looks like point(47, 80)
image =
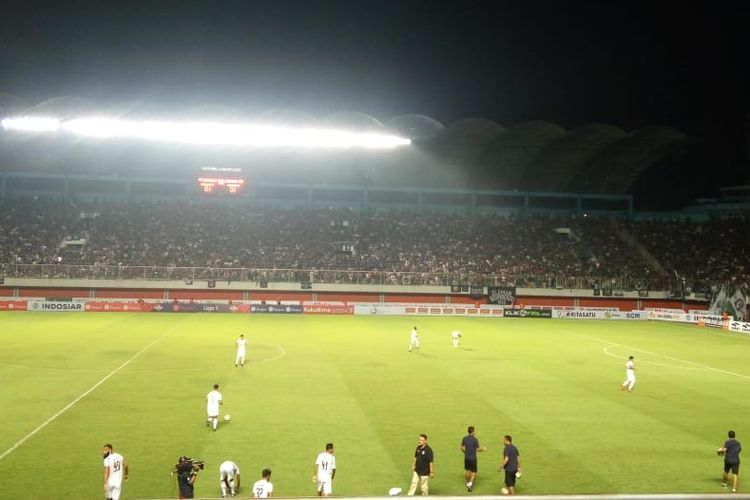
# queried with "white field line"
point(281, 353)
point(89, 391)
point(45, 369)
point(730, 334)
point(706, 367)
point(666, 365)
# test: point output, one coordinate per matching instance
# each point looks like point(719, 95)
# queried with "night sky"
point(626, 63)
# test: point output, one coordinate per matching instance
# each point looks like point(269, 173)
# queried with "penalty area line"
point(76, 400)
point(608, 353)
point(705, 367)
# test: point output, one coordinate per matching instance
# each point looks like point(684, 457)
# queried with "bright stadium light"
point(218, 134)
point(31, 124)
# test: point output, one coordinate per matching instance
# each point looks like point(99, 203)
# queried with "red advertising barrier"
point(327, 309)
point(118, 307)
point(158, 306)
point(13, 305)
point(453, 311)
point(240, 308)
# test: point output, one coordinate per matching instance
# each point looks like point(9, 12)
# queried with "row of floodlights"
point(207, 133)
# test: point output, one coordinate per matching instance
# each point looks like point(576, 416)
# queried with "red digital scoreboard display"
point(216, 185)
point(220, 180)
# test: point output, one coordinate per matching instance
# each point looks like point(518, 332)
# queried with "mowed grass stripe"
point(53, 366)
point(61, 433)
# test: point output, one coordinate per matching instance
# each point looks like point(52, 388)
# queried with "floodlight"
point(209, 133)
point(32, 124)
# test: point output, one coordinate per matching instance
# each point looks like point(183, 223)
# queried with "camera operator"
point(187, 472)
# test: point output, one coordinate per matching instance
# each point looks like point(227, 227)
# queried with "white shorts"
point(113, 491)
point(326, 487)
point(213, 411)
point(240, 354)
point(226, 476)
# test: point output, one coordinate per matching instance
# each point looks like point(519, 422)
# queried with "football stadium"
point(459, 307)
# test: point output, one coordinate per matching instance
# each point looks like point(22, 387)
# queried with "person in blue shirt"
point(470, 447)
point(731, 451)
point(511, 464)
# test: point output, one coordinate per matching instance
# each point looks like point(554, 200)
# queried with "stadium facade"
point(471, 167)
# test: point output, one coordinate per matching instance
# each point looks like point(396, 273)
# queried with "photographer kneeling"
point(186, 470)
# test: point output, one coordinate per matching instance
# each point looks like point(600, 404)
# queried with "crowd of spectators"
point(31, 231)
point(704, 254)
point(233, 242)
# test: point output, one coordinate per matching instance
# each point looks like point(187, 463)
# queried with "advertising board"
point(55, 306)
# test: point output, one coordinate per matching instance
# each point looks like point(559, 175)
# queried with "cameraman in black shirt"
point(187, 472)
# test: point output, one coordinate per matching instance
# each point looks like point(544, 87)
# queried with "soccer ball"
point(227, 418)
point(505, 491)
point(394, 492)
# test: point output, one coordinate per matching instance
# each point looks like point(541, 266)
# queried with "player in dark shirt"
point(731, 451)
point(511, 464)
point(470, 447)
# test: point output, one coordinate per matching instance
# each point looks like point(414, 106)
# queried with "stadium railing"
point(609, 285)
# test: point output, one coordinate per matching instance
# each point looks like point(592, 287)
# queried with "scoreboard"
point(220, 180)
point(215, 185)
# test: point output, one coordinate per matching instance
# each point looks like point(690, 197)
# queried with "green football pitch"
point(72, 382)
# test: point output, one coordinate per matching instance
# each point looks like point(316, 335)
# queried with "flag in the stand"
point(736, 305)
point(719, 302)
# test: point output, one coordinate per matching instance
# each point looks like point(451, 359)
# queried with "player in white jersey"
point(115, 470)
point(630, 374)
point(324, 471)
point(263, 488)
point(229, 478)
point(213, 401)
point(455, 335)
point(240, 359)
point(414, 341)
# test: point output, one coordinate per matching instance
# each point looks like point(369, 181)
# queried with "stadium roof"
point(60, 107)
point(618, 165)
point(534, 155)
point(288, 117)
point(353, 120)
point(567, 156)
point(462, 142)
point(10, 104)
point(472, 131)
point(415, 126)
point(513, 151)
